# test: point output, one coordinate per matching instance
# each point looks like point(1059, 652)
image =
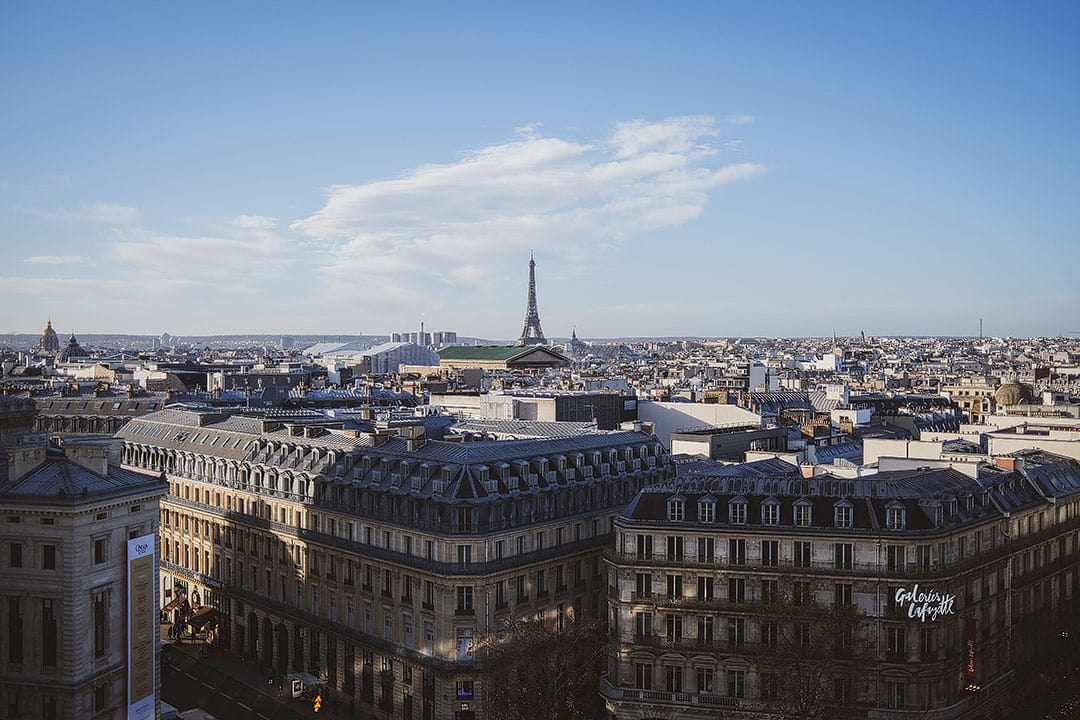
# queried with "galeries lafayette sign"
point(925, 604)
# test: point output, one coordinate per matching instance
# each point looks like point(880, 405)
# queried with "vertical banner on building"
point(142, 618)
point(970, 668)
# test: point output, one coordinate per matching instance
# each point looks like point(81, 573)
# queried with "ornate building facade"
point(950, 587)
point(67, 513)
point(376, 560)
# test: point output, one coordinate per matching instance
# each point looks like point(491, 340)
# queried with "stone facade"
point(958, 585)
point(376, 560)
point(64, 528)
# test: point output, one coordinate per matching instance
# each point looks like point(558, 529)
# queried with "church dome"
point(72, 351)
point(48, 342)
point(1011, 394)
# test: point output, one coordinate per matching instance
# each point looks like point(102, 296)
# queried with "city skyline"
point(702, 172)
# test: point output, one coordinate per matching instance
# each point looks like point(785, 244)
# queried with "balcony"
point(706, 700)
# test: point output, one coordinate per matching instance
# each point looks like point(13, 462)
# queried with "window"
point(643, 584)
point(705, 589)
point(770, 553)
point(894, 694)
point(803, 513)
point(928, 644)
point(100, 620)
point(738, 512)
point(770, 634)
point(736, 683)
point(464, 554)
point(705, 680)
point(464, 598)
point(770, 512)
point(707, 511)
point(737, 552)
point(843, 593)
point(896, 641)
point(673, 675)
point(842, 514)
point(101, 697)
point(895, 558)
point(895, 517)
point(674, 627)
point(100, 547)
point(802, 552)
point(842, 555)
point(675, 548)
point(801, 593)
point(706, 549)
point(15, 630)
point(674, 586)
point(644, 547)
point(48, 632)
point(736, 590)
point(463, 688)
point(522, 593)
point(15, 555)
point(676, 508)
point(705, 629)
point(770, 590)
point(643, 624)
point(643, 673)
point(736, 631)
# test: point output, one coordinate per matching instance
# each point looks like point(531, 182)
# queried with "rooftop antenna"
point(980, 329)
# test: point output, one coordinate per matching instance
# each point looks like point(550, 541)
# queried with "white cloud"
point(465, 224)
point(103, 213)
point(57, 259)
point(254, 222)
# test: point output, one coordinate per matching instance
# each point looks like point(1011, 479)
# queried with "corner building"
point(66, 515)
point(961, 585)
point(375, 560)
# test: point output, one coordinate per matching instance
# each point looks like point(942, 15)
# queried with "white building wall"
point(667, 417)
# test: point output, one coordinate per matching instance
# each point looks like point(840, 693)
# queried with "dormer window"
point(895, 516)
point(707, 509)
point(843, 512)
point(803, 513)
point(676, 508)
point(770, 512)
point(737, 510)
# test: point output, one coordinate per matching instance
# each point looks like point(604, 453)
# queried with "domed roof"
point(1011, 394)
point(72, 351)
point(48, 342)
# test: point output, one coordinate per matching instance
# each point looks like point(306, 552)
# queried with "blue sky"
point(679, 168)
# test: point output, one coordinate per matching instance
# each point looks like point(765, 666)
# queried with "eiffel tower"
point(531, 334)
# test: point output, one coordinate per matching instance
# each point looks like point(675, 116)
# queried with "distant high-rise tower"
point(532, 334)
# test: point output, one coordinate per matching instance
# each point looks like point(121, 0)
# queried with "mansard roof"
point(59, 480)
point(470, 470)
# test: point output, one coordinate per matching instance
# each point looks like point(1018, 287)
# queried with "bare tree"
point(536, 672)
point(814, 660)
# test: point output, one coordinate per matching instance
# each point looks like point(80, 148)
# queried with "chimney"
point(22, 460)
point(92, 456)
point(647, 428)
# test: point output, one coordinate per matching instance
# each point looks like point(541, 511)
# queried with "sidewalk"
point(235, 669)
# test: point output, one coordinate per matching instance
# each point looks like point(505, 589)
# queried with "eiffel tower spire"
point(531, 334)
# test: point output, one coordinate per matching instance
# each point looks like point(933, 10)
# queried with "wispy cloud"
point(103, 213)
point(57, 259)
point(438, 236)
point(459, 224)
